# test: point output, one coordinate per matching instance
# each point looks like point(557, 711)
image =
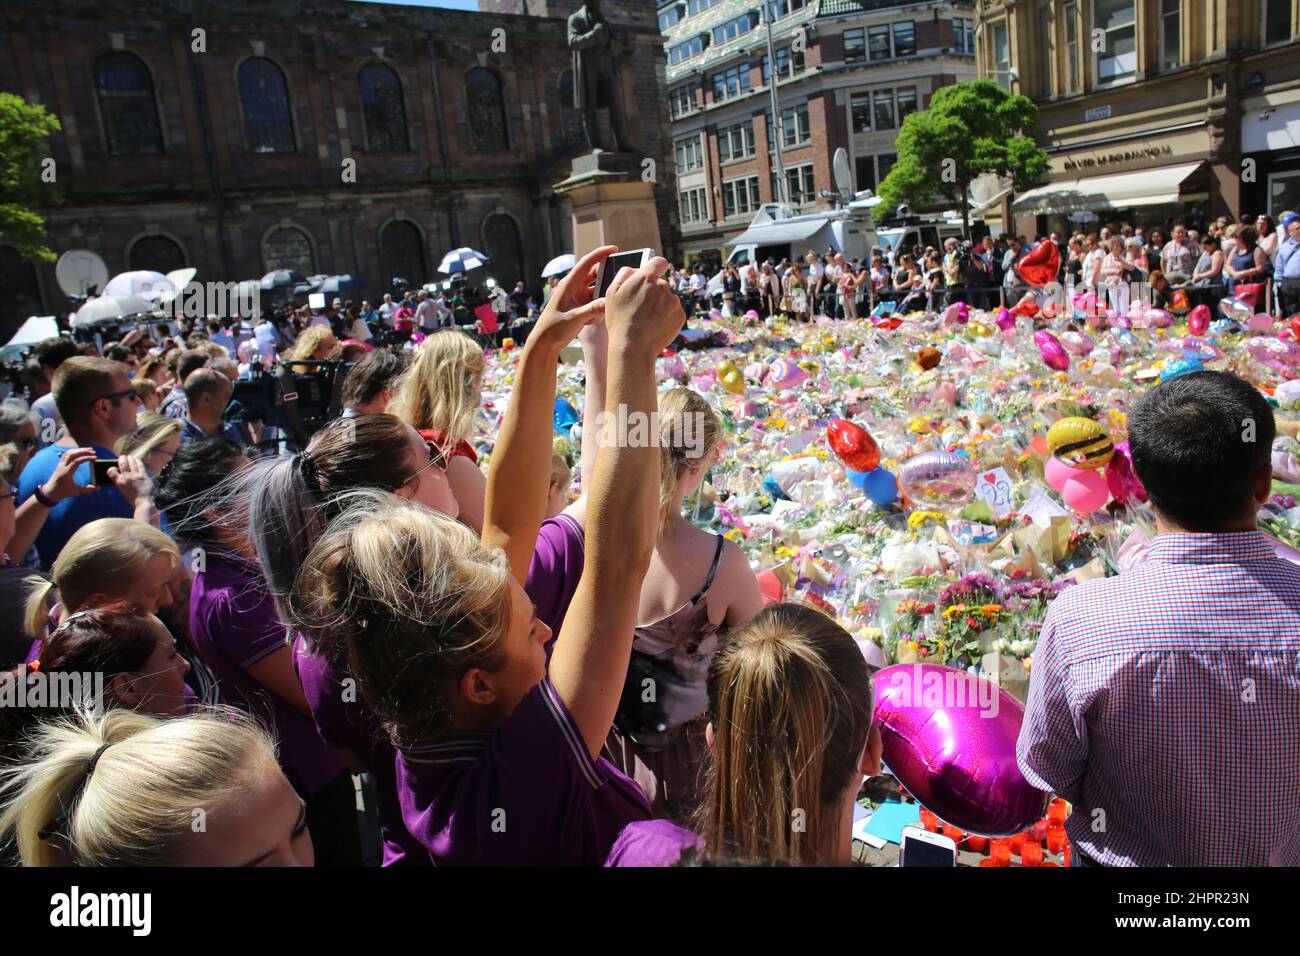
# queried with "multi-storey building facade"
point(847, 73)
point(1153, 111)
point(319, 135)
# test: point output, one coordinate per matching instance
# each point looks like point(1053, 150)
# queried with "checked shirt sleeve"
point(1052, 750)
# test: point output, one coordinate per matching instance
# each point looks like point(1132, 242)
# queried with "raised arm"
point(589, 663)
point(519, 479)
point(595, 358)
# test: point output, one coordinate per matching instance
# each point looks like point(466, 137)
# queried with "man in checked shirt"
point(1164, 703)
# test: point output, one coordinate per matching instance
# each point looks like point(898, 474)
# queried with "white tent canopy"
point(38, 328)
point(1146, 187)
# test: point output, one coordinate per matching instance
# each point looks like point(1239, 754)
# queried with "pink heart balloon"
point(950, 739)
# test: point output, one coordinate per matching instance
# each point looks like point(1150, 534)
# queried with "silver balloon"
point(937, 478)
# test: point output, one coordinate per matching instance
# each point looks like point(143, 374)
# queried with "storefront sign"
point(1111, 159)
point(1096, 113)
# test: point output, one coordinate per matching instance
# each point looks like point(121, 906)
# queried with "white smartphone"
point(923, 848)
point(635, 258)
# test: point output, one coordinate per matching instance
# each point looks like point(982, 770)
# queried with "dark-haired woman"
point(233, 622)
point(1248, 266)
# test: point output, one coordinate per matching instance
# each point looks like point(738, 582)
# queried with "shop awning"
point(777, 233)
point(1148, 187)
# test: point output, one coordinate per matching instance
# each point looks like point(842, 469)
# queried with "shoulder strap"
point(713, 570)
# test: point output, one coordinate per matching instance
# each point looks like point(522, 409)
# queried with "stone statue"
point(595, 76)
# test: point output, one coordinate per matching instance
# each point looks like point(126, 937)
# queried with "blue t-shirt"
point(70, 513)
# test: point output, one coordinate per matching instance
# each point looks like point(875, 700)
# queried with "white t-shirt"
point(426, 316)
point(361, 331)
point(698, 283)
point(387, 310)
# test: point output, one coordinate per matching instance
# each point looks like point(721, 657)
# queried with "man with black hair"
point(1164, 703)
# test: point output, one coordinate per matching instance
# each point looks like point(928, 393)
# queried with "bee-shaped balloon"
point(1080, 443)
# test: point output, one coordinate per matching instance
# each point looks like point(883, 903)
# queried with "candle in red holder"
point(1056, 813)
point(1031, 854)
point(1056, 838)
point(1000, 852)
point(929, 821)
point(1039, 831)
point(977, 844)
point(1017, 842)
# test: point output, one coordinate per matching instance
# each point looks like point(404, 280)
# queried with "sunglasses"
point(437, 459)
point(115, 397)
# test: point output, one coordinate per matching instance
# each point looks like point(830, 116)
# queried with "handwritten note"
point(994, 488)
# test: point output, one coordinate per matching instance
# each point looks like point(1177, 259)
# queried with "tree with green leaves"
point(26, 180)
point(969, 129)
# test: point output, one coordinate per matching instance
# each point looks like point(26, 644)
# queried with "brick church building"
point(323, 136)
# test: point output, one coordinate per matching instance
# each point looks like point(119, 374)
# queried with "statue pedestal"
point(611, 204)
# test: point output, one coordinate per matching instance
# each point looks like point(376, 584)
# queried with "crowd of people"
point(1180, 268)
point(275, 629)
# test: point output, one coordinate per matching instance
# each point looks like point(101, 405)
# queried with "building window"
point(905, 38)
point(694, 205)
point(860, 108)
point(1277, 21)
point(799, 187)
point(689, 155)
point(402, 251)
point(684, 51)
point(883, 102)
point(670, 17)
point(855, 46)
point(739, 196)
point(699, 6)
point(570, 119)
point(1170, 39)
point(682, 100)
point(794, 127)
point(127, 104)
point(288, 248)
point(1000, 52)
point(788, 63)
point(736, 142)
point(382, 109)
point(503, 248)
point(878, 42)
point(1070, 15)
point(884, 163)
point(963, 33)
point(776, 9)
point(486, 108)
point(869, 171)
point(264, 97)
point(732, 82)
point(1283, 192)
point(1118, 59)
point(156, 254)
point(737, 26)
point(907, 103)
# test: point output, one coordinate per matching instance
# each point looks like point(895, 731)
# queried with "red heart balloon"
point(1041, 265)
point(853, 445)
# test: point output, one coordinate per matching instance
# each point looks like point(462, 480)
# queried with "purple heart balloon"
point(950, 739)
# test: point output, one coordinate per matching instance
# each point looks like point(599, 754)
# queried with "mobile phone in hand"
point(636, 258)
point(100, 468)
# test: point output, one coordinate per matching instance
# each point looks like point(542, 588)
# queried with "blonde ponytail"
point(36, 612)
point(688, 431)
point(133, 805)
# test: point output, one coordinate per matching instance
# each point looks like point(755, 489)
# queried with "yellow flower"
point(913, 645)
point(954, 611)
point(918, 518)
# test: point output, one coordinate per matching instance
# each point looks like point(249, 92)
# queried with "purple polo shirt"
point(556, 569)
point(527, 794)
point(652, 843)
point(234, 625)
point(350, 724)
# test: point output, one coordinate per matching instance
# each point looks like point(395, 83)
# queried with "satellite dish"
point(842, 175)
point(80, 270)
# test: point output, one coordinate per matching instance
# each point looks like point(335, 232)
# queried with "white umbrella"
point(110, 308)
point(461, 260)
point(560, 265)
point(143, 283)
point(38, 328)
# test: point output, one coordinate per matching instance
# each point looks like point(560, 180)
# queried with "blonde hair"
point(305, 346)
point(442, 388)
point(561, 473)
point(9, 455)
point(410, 599)
point(136, 807)
point(790, 703)
point(688, 431)
point(101, 557)
point(151, 430)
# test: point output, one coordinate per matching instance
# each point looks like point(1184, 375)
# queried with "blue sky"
point(448, 4)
